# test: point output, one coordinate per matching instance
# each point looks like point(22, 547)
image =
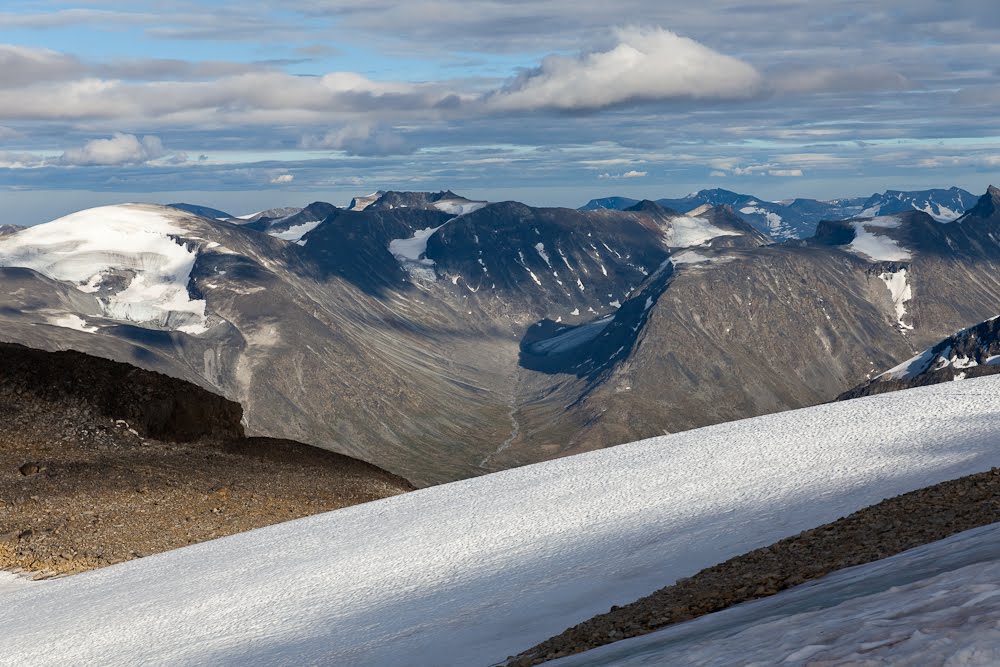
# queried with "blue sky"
point(263, 103)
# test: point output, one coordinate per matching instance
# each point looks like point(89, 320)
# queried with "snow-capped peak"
point(942, 205)
point(686, 231)
point(100, 249)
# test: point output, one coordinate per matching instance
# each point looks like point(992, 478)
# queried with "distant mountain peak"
point(203, 211)
point(942, 205)
point(987, 206)
point(612, 203)
point(362, 202)
point(647, 206)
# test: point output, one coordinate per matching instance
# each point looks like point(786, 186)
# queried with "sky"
point(259, 103)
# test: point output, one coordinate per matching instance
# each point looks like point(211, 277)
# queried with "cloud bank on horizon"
point(328, 95)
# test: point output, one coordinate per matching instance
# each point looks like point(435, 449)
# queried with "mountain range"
point(440, 337)
point(798, 218)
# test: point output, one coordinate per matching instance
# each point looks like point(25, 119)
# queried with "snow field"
point(140, 242)
point(474, 571)
point(879, 247)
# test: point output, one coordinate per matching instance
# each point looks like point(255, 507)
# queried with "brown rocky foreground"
point(876, 532)
point(101, 462)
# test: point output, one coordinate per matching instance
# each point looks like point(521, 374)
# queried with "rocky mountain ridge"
point(798, 218)
point(445, 343)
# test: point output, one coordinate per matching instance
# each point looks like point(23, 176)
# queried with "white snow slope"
point(459, 206)
point(685, 231)
point(868, 241)
point(470, 572)
point(84, 247)
point(938, 604)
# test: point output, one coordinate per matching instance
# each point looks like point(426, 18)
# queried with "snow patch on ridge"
point(775, 223)
point(297, 232)
point(685, 231)
point(878, 246)
point(411, 253)
point(458, 207)
point(540, 248)
point(72, 322)
point(143, 245)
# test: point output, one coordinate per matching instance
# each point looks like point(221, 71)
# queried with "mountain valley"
point(439, 337)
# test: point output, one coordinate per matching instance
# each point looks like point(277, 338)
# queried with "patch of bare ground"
point(84, 484)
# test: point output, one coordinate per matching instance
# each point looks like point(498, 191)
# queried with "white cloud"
point(728, 166)
point(118, 150)
point(263, 97)
point(12, 160)
point(283, 179)
point(751, 169)
point(628, 174)
point(646, 65)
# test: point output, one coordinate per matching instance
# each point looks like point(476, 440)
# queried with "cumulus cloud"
point(628, 174)
point(729, 166)
point(283, 179)
point(118, 150)
point(645, 65)
point(14, 160)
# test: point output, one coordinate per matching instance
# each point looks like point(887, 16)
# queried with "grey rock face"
point(970, 353)
point(6, 230)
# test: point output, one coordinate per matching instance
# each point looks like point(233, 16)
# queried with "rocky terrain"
point(440, 337)
point(798, 218)
point(876, 532)
point(942, 205)
point(970, 353)
point(781, 220)
point(101, 462)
